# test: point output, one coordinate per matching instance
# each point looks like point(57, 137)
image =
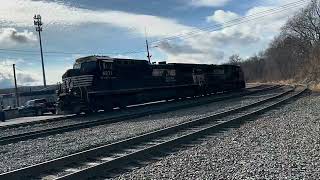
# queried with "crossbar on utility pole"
point(15, 85)
point(38, 24)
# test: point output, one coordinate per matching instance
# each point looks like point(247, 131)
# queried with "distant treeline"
point(293, 55)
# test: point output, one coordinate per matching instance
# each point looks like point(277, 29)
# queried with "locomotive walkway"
point(61, 129)
point(102, 160)
point(27, 121)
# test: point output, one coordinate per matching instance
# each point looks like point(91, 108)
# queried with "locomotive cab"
point(84, 87)
point(73, 91)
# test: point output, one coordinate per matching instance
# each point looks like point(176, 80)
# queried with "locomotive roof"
point(106, 58)
point(109, 59)
point(184, 64)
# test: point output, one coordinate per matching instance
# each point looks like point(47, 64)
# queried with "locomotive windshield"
point(77, 66)
point(86, 66)
point(89, 66)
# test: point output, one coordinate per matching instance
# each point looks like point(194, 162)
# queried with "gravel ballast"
point(281, 144)
point(17, 155)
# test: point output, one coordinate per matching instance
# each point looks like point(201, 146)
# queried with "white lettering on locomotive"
point(169, 74)
point(78, 81)
point(107, 70)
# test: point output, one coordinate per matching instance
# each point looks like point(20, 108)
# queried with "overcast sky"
point(117, 27)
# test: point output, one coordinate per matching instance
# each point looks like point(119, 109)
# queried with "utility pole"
point(15, 85)
point(38, 25)
point(147, 44)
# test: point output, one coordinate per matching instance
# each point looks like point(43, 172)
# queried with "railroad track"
point(227, 95)
point(61, 129)
point(101, 161)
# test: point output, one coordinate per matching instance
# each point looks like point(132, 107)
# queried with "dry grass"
point(282, 82)
point(313, 86)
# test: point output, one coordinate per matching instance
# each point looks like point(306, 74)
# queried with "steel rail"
point(56, 119)
point(62, 129)
point(127, 145)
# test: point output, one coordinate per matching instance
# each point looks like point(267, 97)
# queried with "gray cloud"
point(176, 49)
point(191, 52)
point(20, 37)
point(6, 80)
point(26, 79)
point(215, 54)
point(10, 37)
point(208, 3)
point(234, 38)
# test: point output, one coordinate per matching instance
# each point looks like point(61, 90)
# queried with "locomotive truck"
point(102, 83)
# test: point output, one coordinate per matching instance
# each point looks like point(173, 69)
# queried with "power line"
point(19, 69)
point(218, 28)
point(236, 21)
point(49, 23)
point(284, 7)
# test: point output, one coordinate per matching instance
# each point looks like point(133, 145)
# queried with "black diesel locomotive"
point(101, 82)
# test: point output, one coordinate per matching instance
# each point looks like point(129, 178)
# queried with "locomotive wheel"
point(122, 104)
point(53, 111)
point(59, 111)
point(107, 109)
point(87, 112)
point(76, 110)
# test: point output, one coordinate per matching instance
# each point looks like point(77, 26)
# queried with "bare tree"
point(294, 53)
point(235, 59)
point(305, 24)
